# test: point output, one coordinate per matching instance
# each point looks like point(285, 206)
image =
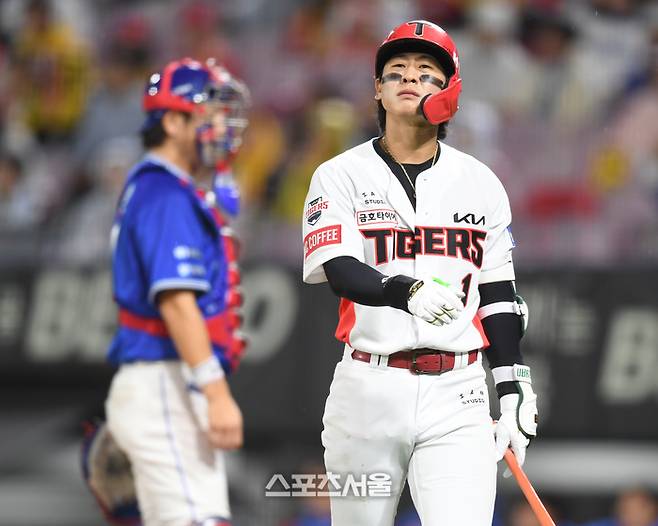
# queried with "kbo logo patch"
point(314, 210)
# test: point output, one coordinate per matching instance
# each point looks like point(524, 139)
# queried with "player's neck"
point(173, 155)
point(410, 144)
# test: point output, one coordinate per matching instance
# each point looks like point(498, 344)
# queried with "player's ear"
point(172, 122)
point(169, 122)
point(378, 89)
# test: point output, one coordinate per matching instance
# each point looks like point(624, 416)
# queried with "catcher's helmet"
point(421, 36)
point(180, 86)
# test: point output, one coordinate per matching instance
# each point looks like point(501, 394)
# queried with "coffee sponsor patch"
point(329, 235)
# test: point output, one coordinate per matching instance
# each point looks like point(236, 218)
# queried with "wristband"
point(511, 373)
point(210, 370)
point(508, 378)
point(396, 290)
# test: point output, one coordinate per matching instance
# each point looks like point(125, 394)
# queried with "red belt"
point(419, 361)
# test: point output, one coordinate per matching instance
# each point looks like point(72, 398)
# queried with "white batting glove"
point(435, 301)
point(518, 417)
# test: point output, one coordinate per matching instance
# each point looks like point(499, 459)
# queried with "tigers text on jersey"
point(459, 233)
point(167, 237)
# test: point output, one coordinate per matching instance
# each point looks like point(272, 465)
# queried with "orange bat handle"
point(530, 494)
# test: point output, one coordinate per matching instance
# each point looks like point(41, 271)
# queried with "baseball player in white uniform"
point(414, 237)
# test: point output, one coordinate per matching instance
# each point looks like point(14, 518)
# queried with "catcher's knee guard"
point(108, 474)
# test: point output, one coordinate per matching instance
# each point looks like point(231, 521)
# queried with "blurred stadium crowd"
point(560, 99)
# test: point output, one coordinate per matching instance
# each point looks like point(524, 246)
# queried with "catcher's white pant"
point(434, 431)
point(180, 479)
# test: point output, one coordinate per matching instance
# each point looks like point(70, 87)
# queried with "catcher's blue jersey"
point(165, 237)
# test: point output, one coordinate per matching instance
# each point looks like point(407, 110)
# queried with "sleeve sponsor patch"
point(329, 235)
point(314, 210)
point(186, 270)
point(376, 216)
point(186, 252)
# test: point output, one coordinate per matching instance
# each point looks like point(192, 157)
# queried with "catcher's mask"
point(231, 100)
point(108, 474)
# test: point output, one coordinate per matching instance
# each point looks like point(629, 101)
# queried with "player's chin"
point(407, 109)
point(407, 103)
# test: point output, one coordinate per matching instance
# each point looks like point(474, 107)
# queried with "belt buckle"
point(414, 364)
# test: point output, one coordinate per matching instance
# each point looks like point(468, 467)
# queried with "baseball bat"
point(526, 487)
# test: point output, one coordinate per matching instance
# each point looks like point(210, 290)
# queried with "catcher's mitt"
point(108, 475)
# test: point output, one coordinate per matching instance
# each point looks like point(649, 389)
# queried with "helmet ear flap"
point(441, 106)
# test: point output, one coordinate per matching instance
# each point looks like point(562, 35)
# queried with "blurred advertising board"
point(592, 344)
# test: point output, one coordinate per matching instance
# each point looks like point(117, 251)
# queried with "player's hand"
point(435, 301)
point(517, 424)
point(225, 427)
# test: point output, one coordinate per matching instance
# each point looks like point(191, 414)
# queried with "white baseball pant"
point(159, 423)
point(434, 431)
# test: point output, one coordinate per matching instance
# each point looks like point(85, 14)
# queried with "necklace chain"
point(413, 186)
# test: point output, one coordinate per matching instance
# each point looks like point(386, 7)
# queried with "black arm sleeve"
point(356, 281)
point(503, 330)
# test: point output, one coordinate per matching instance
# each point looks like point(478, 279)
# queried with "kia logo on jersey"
point(314, 210)
point(467, 218)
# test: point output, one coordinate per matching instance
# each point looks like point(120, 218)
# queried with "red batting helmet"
point(421, 36)
point(180, 86)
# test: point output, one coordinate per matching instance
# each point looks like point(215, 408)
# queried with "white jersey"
point(459, 232)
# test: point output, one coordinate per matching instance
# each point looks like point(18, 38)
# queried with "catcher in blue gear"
point(170, 410)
